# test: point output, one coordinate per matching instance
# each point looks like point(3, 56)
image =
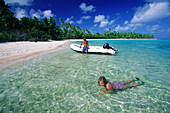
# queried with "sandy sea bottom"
point(66, 81)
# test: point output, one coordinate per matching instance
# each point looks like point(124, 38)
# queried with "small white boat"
point(92, 49)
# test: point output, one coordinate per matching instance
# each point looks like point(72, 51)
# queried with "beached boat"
point(93, 49)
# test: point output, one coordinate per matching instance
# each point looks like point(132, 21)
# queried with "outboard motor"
point(106, 46)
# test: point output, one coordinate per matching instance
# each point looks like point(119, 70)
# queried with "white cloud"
point(95, 25)
point(111, 22)
point(41, 14)
point(156, 0)
point(117, 28)
point(79, 21)
point(86, 17)
point(106, 29)
point(20, 2)
point(148, 13)
point(20, 13)
point(99, 18)
point(122, 28)
point(126, 22)
point(48, 13)
point(135, 24)
point(86, 9)
point(83, 18)
point(151, 12)
point(38, 14)
point(69, 20)
point(154, 27)
point(130, 26)
point(104, 23)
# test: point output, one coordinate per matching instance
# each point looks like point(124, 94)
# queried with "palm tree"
point(84, 30)
point(72, 28)
point(7, 19)
point(77, 27)
point(62, 22)
point(67, 26)
point(109, 30)
point(87, 30)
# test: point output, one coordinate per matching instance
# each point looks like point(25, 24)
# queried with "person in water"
point(110, 87)
point(86, 45)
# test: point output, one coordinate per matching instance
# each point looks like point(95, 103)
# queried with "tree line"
point(33, 29)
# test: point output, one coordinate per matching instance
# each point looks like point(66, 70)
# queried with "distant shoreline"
point(111, 39)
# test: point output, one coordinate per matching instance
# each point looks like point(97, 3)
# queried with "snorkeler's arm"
point(108, 87)
point(110, 91)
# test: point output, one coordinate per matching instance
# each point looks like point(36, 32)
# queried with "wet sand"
point(12, 52)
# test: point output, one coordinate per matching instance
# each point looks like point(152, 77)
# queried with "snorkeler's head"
point(102, 81)
point(84, 38)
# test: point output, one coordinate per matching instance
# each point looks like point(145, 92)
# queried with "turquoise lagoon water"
point(66, 81)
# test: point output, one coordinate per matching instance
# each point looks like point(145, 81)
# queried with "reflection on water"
point(67, 81)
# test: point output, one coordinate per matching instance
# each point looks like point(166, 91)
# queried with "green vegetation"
point(28, 29)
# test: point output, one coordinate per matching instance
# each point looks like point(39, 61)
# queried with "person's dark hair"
point(102, 78)
point(84, 38)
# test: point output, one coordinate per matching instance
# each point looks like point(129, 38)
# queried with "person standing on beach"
point(116, 85)
point(86, 45)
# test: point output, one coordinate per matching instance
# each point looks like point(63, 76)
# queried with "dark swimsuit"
point(118, 84)
point(85, 48)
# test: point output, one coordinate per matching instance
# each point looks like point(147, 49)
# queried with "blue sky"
point(141, 16)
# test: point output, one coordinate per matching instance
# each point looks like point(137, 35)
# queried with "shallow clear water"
point(66, 81)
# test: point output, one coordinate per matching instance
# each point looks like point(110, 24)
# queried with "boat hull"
point(92, 49)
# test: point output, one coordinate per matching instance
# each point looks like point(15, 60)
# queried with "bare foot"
point(135, 79)
point(140, 83)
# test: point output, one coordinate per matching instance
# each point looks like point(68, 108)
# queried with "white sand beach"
point(11, 52)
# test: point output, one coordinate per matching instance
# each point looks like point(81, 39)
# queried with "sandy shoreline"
point(12, 52)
